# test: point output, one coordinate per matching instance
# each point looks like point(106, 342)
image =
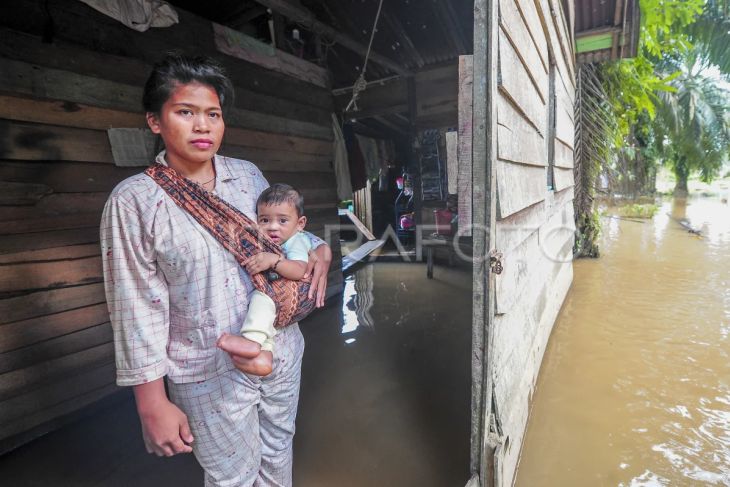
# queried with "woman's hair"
point(279, 193)
point(176, 69)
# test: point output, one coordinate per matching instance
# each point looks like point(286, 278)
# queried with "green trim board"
point(594, 42)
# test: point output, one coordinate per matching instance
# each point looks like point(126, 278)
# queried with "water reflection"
point(635, 387)
point(357, 301)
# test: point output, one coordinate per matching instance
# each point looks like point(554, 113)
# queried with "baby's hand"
point(261, 262)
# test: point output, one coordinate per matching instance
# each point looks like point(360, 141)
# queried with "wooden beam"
point(244, 15)
point(393, 126)
point(241, 46)
point(303, 16)
point(376, 111)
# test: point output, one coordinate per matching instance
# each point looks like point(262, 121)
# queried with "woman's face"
point(190, 123)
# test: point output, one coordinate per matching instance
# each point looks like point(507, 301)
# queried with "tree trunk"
point(681, 171)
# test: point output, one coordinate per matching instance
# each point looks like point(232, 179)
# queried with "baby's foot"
point(238, 345)
point(260, 365)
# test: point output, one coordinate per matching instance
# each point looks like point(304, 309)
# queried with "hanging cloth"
point(139, 15)
point(240, 236)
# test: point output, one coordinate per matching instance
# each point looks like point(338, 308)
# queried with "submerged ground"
point(385, 398)
point(634, 388)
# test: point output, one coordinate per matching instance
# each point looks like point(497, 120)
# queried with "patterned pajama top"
point(171, 288)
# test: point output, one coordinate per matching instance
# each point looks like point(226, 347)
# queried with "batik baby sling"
point(240, 236)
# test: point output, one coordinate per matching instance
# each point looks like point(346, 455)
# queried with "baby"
point(280, 211)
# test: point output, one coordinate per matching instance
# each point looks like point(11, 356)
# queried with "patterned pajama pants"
point(244, 425)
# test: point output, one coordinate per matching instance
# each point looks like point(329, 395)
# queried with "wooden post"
point(466, 78)
point(414, 164)
point(484, 153)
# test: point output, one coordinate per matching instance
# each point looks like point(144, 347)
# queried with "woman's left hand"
point(318, 266)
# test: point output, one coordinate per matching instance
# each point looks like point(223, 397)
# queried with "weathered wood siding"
point(534, 228)
point(56, 170)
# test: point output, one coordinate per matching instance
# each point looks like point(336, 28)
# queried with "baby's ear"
point(301, 222)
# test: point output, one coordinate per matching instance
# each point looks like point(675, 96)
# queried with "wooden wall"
point(534, 228)
point(56, 170)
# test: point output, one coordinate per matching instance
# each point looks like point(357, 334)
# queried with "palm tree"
point(692, 125)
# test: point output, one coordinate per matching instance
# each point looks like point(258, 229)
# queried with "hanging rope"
point(361, 84)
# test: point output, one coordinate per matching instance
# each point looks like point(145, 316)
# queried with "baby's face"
point(280, 222)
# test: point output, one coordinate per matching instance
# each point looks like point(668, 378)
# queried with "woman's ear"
point(153, 121)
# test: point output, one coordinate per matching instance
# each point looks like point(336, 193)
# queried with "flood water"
point(634, 388)
point(384, 400)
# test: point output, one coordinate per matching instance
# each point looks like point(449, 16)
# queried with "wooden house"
point(501, 73)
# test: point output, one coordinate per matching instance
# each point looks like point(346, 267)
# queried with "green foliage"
point(662, 23)
point(586, 240)
point(638, 211)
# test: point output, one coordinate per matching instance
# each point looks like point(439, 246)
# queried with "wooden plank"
point(356, 221)
point(519, 266)
point(19, 77)
point(519, 186)
point(518, 140)
point(105, 49)
point(302, 180)
point(361, 253)
point(133, 73)
point(466, 80)
point(513, 25)
point(561, 29)
point(27, 332)
point(564, 126)
point(57, 204)
point(53, 394)
point(44, 223)
point(49, 142)
point(84, 145)
point(517, 85)
point(301, 15)
point(19, 277)
point(563, 178)
point(50, 301)
point(563, 155)
point(67, 177)
point(566, 92)
point(60, 253)
point(548, 25)
point(452, 161)
point(56, 347)
point(529, 11)
point(515, 228)
point(70, 114)
point(272, 160)
point(23, 78)
point(484, 443)
point(22, 193)
point(56, 412)
point(239, 45)
point(23, 380)
point(45, 240)
point(556, 236)
point(278, 142)
point(65, 113)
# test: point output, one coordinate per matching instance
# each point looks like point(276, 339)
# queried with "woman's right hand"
point(165, 427)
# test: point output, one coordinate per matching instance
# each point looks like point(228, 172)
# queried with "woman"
point(173, 289)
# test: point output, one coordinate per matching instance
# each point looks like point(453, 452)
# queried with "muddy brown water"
point(634, 388)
